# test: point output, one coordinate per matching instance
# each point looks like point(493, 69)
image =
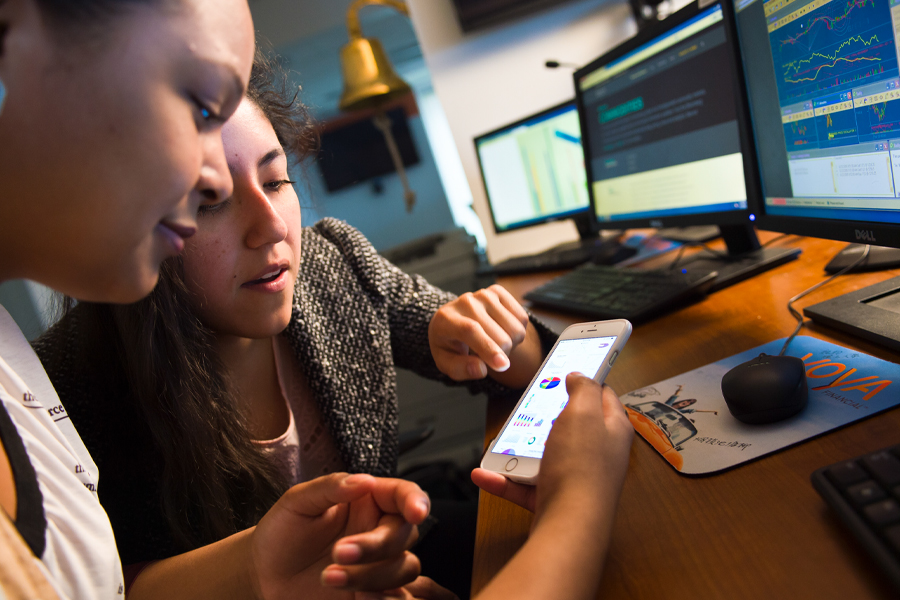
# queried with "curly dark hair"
point(161, 361)
point(270, 90)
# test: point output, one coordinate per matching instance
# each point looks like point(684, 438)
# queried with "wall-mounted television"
point(354, 152)
point(478, 14)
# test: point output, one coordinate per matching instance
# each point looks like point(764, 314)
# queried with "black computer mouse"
point(766, 389)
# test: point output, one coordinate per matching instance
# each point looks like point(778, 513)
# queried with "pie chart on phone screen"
point(549, 384)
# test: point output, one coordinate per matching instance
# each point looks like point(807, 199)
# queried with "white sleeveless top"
point(80, 556)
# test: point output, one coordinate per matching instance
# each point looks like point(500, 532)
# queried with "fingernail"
point(335, 578)
point(477, 370)
point(347, 554)
point(426, 505)
point(501, 362)
point(356, 479)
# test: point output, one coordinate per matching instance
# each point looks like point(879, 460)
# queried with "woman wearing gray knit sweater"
point(266, 356)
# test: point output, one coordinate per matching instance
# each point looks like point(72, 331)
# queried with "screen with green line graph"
point(824, 85)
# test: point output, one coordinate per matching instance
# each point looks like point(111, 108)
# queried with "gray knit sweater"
point(356, 317)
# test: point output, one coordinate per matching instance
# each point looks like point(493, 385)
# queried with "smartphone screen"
point(526, 433)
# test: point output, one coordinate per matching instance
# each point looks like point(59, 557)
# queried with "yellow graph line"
point(834, 59)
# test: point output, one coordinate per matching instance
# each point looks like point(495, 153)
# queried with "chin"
point(125, 289)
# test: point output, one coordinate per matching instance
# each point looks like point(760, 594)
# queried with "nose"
point(214, 183)
point(264, 223)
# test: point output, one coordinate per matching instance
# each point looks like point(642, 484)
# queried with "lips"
point(271, 279)
point(268, 277)
point(175, 234)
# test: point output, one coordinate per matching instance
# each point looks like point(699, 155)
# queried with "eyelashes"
point(270, 186)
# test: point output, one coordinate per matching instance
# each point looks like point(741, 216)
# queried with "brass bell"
point(371, 82)
point(369, 77)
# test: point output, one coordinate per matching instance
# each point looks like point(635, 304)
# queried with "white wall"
point(491, 78)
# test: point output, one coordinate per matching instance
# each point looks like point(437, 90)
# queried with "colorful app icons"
point(549, 384)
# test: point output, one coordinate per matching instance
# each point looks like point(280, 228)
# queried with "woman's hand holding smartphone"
point(588, 348)
point(575, 499)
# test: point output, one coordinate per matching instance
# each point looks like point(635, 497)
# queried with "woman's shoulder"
point(335, 252)
point(332, 235)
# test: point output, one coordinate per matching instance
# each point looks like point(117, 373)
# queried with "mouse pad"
point(686, 420)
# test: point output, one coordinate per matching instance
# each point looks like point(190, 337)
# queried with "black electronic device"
point(766, 389)
point(606, 292)
point(666, 140)
point(356, 152)
point(601, 251)
point(479, 14)
point(824, 99)
point(877, 259)
point(865, 494)
point(533, 173)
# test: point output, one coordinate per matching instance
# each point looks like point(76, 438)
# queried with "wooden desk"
point(759, 531)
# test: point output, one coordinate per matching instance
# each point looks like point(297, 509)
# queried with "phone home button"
point(512, 464)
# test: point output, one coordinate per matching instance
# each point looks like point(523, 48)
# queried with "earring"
point(2, 94)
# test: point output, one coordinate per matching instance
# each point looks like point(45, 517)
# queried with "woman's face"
point(110, 140)
point(241, 265)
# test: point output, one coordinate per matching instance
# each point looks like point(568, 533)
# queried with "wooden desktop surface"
point(758, 531)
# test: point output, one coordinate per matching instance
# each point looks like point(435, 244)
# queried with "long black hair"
point(159, 359)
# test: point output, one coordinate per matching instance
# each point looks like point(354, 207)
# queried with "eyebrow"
point(269, 157)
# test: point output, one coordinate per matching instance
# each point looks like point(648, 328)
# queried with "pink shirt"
point(306, 450)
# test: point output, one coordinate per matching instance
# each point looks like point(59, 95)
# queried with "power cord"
point(799, 316)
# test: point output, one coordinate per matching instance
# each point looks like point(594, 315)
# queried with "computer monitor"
point(666, 141)
point(824, 89)
point(533, 171)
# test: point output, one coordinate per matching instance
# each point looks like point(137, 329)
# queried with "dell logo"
point(656, 223)
point(865, 236)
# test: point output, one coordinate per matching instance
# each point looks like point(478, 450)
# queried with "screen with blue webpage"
point(534, 171)
point(526, 432)
point(822, 76)
point(662, 127)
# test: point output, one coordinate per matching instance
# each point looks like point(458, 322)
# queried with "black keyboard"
point(607, 251)
point(545, 261)
point(605, 292)
point(865, 493)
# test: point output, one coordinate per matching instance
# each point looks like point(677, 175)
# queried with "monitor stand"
point(744, 258)
point(879, 258)
point(695, 234)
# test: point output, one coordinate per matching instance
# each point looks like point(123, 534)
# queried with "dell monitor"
point(666, 140)
point(824, 88)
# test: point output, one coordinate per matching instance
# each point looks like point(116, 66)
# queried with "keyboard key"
point(847, 473)
point(870, 509)
point(884, 466)
point(866, 492)
point(607, 292)
point(892, 534)
point(883, 513)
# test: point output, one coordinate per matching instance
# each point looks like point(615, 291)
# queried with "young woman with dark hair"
point(250, 369)
point(110, 139)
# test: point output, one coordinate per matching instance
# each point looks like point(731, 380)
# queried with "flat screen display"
point(533, 170)
point(526, 432)
point(661, 124)
point(824, 87)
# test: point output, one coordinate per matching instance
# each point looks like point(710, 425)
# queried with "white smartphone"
point(588, 348)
